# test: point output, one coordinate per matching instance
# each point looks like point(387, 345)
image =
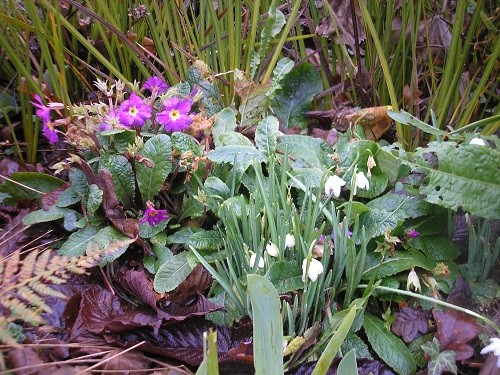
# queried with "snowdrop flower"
point(493, 347)
point(252, 260)
point(370, 163)
point(413, 281)
point(333, 185)
point(272, 250)
point(313, 271)
point(477, 141)
point(289, 240)
point(361, 182)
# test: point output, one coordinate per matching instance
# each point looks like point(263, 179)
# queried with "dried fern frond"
point(25, 283)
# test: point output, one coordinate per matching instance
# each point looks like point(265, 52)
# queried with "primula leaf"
point(266, 135)
point(192, 208)
point(388, 347)
point(296, 94)
point(436, 247)
point(309, 177)
point(286, 276)
point(216, 191)
point(79, 183)
point(225, 122)
point(401, 261)
point(182, 142)
point(200, 240)
point(68, 197)
point(29, 185)
point(94, 200)
point(42, 216)
point(254, 101)
point(306, 151)
point(77, 242)
point(234, 138)
point(241, 157)
point(171, 273)
point(466, 177)
point(122, 176)
point(110, 242)
point(152, 174)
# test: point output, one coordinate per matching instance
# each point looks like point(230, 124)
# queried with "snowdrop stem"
point(437, 302)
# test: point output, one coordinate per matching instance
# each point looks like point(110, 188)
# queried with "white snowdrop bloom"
point(333, 185)
point(361, 182)
point(272, 250)
point(477, 141)
point(493, 347)
point(252, 260)
point(413, 281)
point(289, 240)
point(315, 269)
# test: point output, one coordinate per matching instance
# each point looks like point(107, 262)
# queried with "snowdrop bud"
point(493, 347)
point(252, 260)
point(333, 185)
point(370, 163)
point(289, 240)
point(315, 269)
point(413, 281)
point(477, 141)
point(361, 182)
point(272, 250)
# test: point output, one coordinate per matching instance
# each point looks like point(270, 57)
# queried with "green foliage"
point(388, 347)
point(171, 273)
point(267, 325)
point(152, 173)
point(122, 175)
point(439, 361)
point(28, 185)
point(401, 261)
point(348, 365)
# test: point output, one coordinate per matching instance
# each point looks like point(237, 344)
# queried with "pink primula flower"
point(175, 117)
point(134, 112)
point(156, 85)
point(42, 110)
point(49, 132)
point(153, 216)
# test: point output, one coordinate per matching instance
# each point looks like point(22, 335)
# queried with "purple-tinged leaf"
point(410, 323)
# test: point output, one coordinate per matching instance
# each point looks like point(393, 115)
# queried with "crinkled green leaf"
point(401, 261)
point(68, 197)
point(70, 220)
point(192, 208)
point(297, 91)
point(79, 183)
point(388, 347)
point(466, 178)
point(109, 242)
point(200, 239)
point(286, 276)
point(234, 138)
point(148, 231)
point(437, 247)
point(28, 185)
point(117, 139)
point(76, 243)
point(225, 122)
point(122, 176)
point(182, 142)
point(241, 157)
point(94, 200)
point(266, 135)
point(283, 67)
point(354, 342)
point(151, 176)
point(306, 151)
point(42, 216)
point(216, 192)
point(171, 273)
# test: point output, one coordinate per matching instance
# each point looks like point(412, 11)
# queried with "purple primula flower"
point(133, 112)
point(49, 132)
point(412, 233)
point(43, 111)
point(153, 216)
point(110, 121)
point(156, 85)
point(175, 117)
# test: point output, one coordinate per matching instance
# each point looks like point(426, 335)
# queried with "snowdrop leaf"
point(151, 174)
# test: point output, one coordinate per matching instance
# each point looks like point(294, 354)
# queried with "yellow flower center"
point(174, 114)
point(132, 111)
point(50, 125)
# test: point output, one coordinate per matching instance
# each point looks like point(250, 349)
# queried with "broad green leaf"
point(199, 239)
point(28, 185)
point(352, 341)
point(283, 67)
point(401, 261)
point(406, 119)
point(182, 142)
point(267, 326)
point(109, 242)
point(466, 178)
point(266, 135)
point(117, 139)
point(438, 247)
point(68, 197)
point(348, 365)
point(76, 243)
point(294, 98)
point(388, 347)
point(182, 235)
point(309, 177)
point(254, 102)
point(94, 200)
point(171, 273)
point(216, 191)
point(42, 216)
point(152, 175)
point(122, 176)
point(334, 344)
point(234, 138)
point(191, 208)
point(274, 23)
point(286, 276)
point(306, 151)
point(225, 122)
point(79, 183)
point(241, 157)
point(148, 231)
